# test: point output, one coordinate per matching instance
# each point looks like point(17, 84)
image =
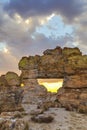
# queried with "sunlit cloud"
point(18, 18)
point(3, 47)
point(50, 17)
point(6, 50)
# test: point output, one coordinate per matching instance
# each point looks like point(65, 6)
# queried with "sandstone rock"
point(11, 93)
point(36, 112)
point(34, 94)
point(29, 83)
point(29, 74)
point(42, 118)
point(71, 51)
point(49, 102)
point(23, 64)
point(46, 105)
point(83, 95)
point(53, 64)
point(78, 62)
point(76, 81)
point(73, 99)
point(12, 79)
point(56, 51)
point(11, 101)
point(7, 124)
point(66, 63)
point(50, 66)
point(82, 108)
point(27, 63)
point(11, 115)
point(3, 83)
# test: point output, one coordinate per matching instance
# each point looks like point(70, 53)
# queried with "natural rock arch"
point(67, 63)
point(54, 63)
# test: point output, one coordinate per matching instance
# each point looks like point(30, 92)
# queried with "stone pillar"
point(11, 93)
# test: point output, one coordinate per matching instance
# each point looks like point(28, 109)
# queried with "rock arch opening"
point(52, 85)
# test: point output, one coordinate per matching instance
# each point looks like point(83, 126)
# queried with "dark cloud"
point(68, 8)
point(37, 45)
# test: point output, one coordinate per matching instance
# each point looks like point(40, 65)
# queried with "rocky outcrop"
point(73, 97)
point(12, 79)
point(43, 118)
point(72, 100)
point(11, 93)
point(54, 63)
point(66, 63)
point(13, 124)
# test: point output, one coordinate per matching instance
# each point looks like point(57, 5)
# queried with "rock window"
point(52, 85)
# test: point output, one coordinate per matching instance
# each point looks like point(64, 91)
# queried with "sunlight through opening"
point(22, 85)
point(52, 85)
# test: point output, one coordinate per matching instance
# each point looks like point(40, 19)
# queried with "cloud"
point(8, 62)
point(80, 33)
point(28, 8)
point(16, 37)
point(20, 19)
point(17, 33)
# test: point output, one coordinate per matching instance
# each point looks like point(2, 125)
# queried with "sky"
point(28, 27)
point(52, 85)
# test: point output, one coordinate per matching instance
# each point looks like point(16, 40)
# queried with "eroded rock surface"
point(54, 63)
point(43, 118)
point(11, 93)
point(17, 124)
point(66, 63)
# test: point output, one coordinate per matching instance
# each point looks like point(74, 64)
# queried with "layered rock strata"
point(66, 63)
point(10, 92)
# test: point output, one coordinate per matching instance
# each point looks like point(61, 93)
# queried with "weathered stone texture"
point(11, 93)
point(54, 63)
point(67, 63)
point(75, 81)
point(12, 79)
point(13, 124)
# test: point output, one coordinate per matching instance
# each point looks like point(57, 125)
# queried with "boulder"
point(42, 118)
point(12, 79)
point(23, 64)
point(36, 112)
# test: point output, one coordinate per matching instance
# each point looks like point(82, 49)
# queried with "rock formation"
point(66, 63)
point(10, 92)
point(7, 123)
point(13, 124)
point(43, 118)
